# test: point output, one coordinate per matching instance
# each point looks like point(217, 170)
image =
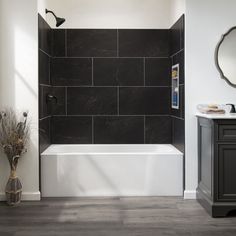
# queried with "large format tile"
point(158, 129)
point(92, 100)
point(119, 130)
point(59, 46)
point(177, 36)
point(44, 134)
point(92, 42)
point(144, 100)
point(71, 71)
point(44, 68)
point(59, 107)
point(178, 131)
point(71, 130)
point(143, 43)
point(45, 35)
point(157, 71)
point(44, 107)
point(118, 71)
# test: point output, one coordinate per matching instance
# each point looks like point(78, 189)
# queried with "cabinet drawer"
point(227, 132)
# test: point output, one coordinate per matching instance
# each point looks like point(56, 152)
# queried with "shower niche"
point(175, 86)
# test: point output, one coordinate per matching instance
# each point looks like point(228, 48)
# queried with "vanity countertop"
point(217, 116)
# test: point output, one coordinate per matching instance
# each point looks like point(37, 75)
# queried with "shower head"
point(59, 21)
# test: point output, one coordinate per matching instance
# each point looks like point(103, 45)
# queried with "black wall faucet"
point(232, 110)
point(51, 98)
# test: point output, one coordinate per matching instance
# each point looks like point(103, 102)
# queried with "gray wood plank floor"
point(150, 216)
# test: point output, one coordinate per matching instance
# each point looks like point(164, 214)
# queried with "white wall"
point(111, 13)
point(42, 5)
point(19, 83)
point(206, 21)
point(177, 10)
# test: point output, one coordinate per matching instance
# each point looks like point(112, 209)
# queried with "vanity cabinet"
point(216, 190)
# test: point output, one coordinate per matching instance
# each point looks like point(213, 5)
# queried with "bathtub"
point(111, 170)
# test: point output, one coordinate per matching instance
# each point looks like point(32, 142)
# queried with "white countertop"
point(217, 116)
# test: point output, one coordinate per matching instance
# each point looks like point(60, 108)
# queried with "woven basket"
point(13, 190)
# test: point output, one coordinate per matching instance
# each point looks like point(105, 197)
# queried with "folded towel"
point(210, 109)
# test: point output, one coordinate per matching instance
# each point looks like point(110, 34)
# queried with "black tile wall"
point(143, 43)
point(157, 129)
point(112, 86)
point(91, 43)
point(44, 68)
point(157, 71)
point(178, 133)
point(177, 57)
point(71, 71)
point(71, 130)
point(44, 134)
point(118, 71)
point(59, 41)
point(92, 101)
point(144, 100)
point(119, 130)
point(45, 52)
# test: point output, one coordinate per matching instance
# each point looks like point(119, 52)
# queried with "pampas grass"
point(14, 134)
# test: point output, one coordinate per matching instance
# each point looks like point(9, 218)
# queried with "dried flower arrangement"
point(14, 135)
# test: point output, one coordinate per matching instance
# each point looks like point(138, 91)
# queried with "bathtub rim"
point(172, 148)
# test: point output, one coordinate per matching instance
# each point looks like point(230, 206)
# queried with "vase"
point(13, 189)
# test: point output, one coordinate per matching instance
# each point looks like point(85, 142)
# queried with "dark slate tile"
point(44, 134)
point(157, 71)
point(179, 59)
point(180, 112)
point(92, 100)
point(119, 130)
point(144, 101)
point(177, 36)
point(118, 71)
point(44, 107)
point(59, 107)
point(178, 133)
point(71, 71)
point(71, 130)
point(143, 43)
point(44, 68)
point(158, 129)
point(59, 46)
point(92, 42)
point(45, 35)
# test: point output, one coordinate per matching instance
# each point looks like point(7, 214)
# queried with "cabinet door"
point(226, 172)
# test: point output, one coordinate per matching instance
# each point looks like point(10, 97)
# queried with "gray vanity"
point(216, 190)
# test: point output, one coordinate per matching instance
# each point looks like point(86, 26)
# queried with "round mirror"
point(225, 56)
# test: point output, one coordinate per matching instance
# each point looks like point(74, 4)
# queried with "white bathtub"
point(111, 170)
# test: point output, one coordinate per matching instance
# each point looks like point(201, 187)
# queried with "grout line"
point(144, 127)
point(110, 86)
point(180, 118)
point(115, 115)
point(45, 85)
point(177, 52)
point(66, 42)
point(92, 130)
point(44, 52)
point(66, 100)
point(117, 43)
point(92, 72)
point(118, 100)
point(44, 118)
point(144, 72)
point(122, 57)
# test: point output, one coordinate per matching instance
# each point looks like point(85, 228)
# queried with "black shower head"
point(59, 21)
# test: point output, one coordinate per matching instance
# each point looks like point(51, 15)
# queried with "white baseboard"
point(190, 194)
point(26, 196)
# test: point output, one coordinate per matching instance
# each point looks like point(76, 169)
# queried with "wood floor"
point(112, 217)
